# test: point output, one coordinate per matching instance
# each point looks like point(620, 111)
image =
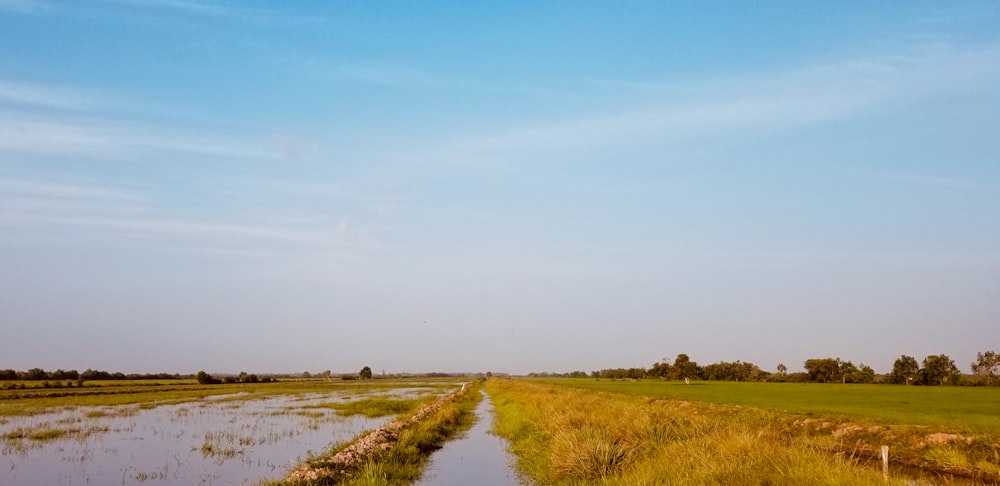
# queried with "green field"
point(588, 431)
point(972, 409)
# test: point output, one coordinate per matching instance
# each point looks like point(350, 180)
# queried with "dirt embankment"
point(345, 462)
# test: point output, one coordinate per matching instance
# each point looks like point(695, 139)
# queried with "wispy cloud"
point(23, 6)
point(384, 75)
point(43, 210)
point(182, 6)
point(754, 104)
point(41, 95)
point(943, 182)
point(61, 136)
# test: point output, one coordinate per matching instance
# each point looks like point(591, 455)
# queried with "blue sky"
point(520, 186)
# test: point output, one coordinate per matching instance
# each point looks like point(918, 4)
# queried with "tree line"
point(933, 370)
point(38, 374)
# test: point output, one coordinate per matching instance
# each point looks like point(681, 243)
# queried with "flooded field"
point(219, 440)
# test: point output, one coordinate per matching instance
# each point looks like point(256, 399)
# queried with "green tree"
point(684, 368)
point(824, 370)
point(847, 371)
point(905, 370)
point(206, 379)
point(987, 365)
point(366, 373)
point(660, 370)
point(865, 375)
point(37, 374)
point(939, 370)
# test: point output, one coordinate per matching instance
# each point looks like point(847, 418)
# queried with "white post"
point(885, 462)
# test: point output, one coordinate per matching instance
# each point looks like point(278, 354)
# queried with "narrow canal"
point(478, 458)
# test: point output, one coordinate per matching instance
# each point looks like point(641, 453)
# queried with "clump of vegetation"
point(375, 407)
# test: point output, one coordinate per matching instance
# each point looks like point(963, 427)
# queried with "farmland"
point(971, 409)
point(653, 432)
point(185, 433)
point(560, 432)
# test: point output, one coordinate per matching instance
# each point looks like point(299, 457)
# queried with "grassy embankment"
point(568, 435)
point(404, 461)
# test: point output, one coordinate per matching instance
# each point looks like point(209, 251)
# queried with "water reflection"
point(479, 458)
point(212, 442)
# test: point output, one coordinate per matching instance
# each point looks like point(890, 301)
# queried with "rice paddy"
point(188, 434)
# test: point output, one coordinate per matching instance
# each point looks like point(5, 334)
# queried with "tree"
point(938, 370)
point(865, 375)
point(782, 369)
point(987, 365)
point(37, 374)
point(684, 368)
point(660, 370)
point(206, 379)
point(905, 370)
point(847, 371)
point(823, 370)
point(366, 373)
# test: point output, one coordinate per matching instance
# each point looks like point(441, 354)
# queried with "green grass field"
point(570, 432)
point(972, 409)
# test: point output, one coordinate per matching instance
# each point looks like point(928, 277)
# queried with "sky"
point(496, 186)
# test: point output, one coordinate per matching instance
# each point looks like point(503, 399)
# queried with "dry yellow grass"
point(565, 436)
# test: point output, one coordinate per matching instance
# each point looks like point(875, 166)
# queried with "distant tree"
point(206, 379)
point(660, 370)
point(8, 374)
point(243, 377)
point(865, 375)
point(939, 370)
point(847, 371)
point(987, 365)
point(782, 369)
point(735, 371)
point(824, 370)
point(684, 368)
point(306, 374)
point(905, 370)
point(365, 373)
point(37, 374)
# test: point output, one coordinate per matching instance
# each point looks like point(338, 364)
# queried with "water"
point(211, 442)
point(478, 458)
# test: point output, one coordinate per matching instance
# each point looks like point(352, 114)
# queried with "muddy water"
point(213, 442)
point(478, 458)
